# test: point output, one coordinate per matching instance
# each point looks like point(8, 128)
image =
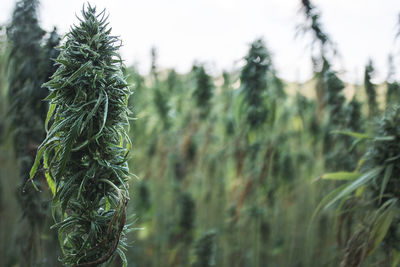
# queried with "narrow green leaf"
point(36, 163)
point(49, 179)
point(365, 178)
point(123, 257)
point(384, 138)
point(354, 134)
point(326, 199)
point(341, 176)
point(77, 73)
point(381, 227)
point(396, 258)
point(386, 177)
point(48, 117)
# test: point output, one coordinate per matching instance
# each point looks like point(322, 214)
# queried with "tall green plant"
point(370, 89)
point(203, 90)
point(86, 148)
point(373, 191)
point(26, 111)
point(254, 83)
point(2, 79)
point(314, 25)
point(393, 87)
point(325, 77)
point(205, 249)
point(51, 52)
point(159, 96)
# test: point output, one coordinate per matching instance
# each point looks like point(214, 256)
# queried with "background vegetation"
point(243, 169)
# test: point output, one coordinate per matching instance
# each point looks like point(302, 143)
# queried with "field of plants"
point(103, 166)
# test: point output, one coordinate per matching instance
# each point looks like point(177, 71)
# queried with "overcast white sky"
point(218, 32)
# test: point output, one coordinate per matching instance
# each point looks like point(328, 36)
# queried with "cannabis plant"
point(320, 57)
point(334, 146)
point(25, 64)
point(375, 189)
point(393, 87)
point(203, 90)
point(312, 16)
point(159, 97)
point(254, 80)
point(186, 216)
point(370, 90)
point(353, 116)
point(26, 113)
point(52, 53)
point(86, 148)
point(334, 98)
point(205, 250)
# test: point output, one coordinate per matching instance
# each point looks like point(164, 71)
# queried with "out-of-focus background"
point(219, 31)
point(238, 105)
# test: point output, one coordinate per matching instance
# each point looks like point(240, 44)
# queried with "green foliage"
point(52, 52)
point(160, 95)
point(314, 25)
point(205, 250)
point(376, 187)
point(254, 83)
point(187, 216)
point(25, 34)
point(354, 120)
point(334, 98)
point(24, 95)
point(393, 87)
point(370, 90)
point(27, 69)
point(203, 90)
point(385, 153)
point(330, 87)
point(86, 148)
point(235, 153)
point(161, 105)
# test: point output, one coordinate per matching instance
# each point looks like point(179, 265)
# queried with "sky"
point(218, 32)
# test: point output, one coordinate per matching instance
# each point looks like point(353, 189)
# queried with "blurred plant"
point(160, 97)
point(370, 89)
point(335, 147)
point(375, 186)
point(398, 25)
point(205, 250)
point(2, 80)
point(334, 99)
point(26, 112)
point(254, 83)
point(52, 53)
point(203, 91)
point(154, 68)
point(278, 86)
point(161, 104)
point(325, 77)
point(186, 216)
point(314, 25)
point(143, 199)
point(329, 90)
point(86, 148)
point(393, 87)
point(172, 81)
point(354, 119)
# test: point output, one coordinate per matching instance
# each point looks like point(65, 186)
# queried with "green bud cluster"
point(86, 148)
